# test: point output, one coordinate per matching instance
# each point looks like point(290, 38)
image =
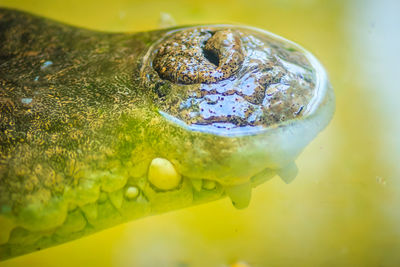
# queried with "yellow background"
point(341, 210)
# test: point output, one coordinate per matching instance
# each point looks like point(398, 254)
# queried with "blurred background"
point(341, 210)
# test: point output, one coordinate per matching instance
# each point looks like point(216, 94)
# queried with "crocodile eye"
point(199, 56)
point(232, 80)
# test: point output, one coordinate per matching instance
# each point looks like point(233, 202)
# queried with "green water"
point(342, 209)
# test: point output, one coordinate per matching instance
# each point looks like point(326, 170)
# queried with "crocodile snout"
point(199, 56)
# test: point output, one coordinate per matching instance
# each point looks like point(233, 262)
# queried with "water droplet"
point(46, 64)
point(26, 101)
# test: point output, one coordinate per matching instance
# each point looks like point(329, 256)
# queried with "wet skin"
point(101, 128)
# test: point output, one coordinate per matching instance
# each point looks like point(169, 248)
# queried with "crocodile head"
point(102, 128)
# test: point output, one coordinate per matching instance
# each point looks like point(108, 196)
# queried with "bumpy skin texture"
point(231, 79)
point(91, 133)
point(199, 56)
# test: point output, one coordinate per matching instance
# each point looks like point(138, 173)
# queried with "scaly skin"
point(97, 128)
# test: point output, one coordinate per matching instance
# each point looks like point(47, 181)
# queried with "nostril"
point(211, 56)
point(199, 56)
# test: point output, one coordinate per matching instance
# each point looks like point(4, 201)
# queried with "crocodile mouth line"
point(133, 199)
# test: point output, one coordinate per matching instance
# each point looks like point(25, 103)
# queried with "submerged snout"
point(250, 101)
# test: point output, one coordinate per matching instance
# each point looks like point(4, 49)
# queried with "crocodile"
point(100, 128)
